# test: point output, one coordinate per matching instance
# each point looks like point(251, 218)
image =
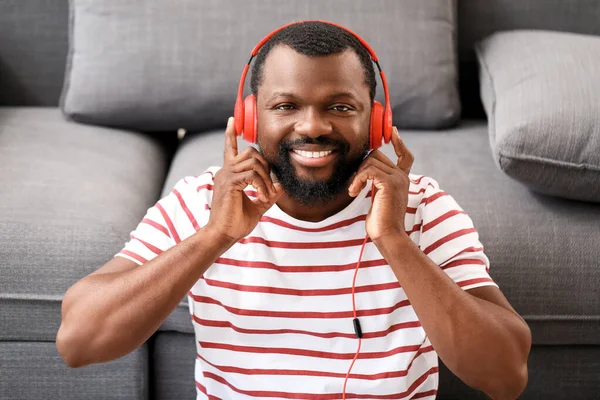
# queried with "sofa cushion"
point(478, 19)
point(70, 196)
point(35, 370)
point(541, 92)
point(174, 355)
point(160, 67)
point(33, 50)
point(576, 366)
point(542, 250)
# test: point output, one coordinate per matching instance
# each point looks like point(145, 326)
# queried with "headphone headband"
point(361, 40)
point(387, 113)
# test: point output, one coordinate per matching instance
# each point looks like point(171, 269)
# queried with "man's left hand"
point(391, 181)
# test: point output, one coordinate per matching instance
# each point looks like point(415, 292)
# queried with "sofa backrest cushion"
point(161, 65)
point(541, 93)
point(478, 19)
point(33, 51)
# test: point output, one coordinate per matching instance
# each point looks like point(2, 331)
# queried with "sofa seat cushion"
point(541, 92)
point(543, 250)
point(35, 370)
point(70, 196)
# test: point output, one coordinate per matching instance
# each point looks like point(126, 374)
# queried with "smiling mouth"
point(313, 159)
point(313, 154)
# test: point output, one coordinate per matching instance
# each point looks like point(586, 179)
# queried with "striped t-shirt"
point(273, 315)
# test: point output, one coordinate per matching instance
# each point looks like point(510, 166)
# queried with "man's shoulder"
point(425, 193)
point(197, 182)
point(189, 202)
point(420, 185)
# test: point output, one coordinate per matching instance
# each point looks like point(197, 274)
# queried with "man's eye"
point(284, 107)
point(341, 108)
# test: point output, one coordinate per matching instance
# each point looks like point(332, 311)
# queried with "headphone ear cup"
point(387, 125)
point(250, 120)
point(238, 116)
point(376, 126)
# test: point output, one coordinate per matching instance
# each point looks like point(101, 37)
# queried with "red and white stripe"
point(273, 314)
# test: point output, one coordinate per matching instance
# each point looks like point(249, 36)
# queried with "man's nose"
point(313, 123)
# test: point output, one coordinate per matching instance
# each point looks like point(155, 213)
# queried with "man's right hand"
point(233, 214)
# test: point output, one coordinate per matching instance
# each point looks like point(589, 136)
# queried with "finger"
point(252, 153)
point(381, 160)
point(254, 164)
point(253, 178)
point(372, 172)
point(405, 157)
point(231, 147)
point(397, 144)
point(355, 187)
point(263, 206)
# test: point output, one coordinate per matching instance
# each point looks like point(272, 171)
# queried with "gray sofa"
point(71, 192)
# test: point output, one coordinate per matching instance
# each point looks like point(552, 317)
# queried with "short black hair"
point(314, 39)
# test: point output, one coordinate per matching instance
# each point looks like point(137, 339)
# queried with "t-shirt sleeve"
point(449, 238)
point(173, 218)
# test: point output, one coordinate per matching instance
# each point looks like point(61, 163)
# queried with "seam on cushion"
point(27, 341)
point(453, 17)
point(543, 160)
point(501, 159)
point(69, 63)
point(484, 70)
point(25, 297)
point(561, 317)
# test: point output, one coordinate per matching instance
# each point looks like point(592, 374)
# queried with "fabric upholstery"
point(543, 250)
point(33, 51)
point(35, 370)
point(478, 19)
point(541, 93)
point(188, 160)
point(173, 355)
point(70, 196)
point(159, 67)
point(555, 372)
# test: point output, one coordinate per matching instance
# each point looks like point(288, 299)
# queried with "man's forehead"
point(288, 71)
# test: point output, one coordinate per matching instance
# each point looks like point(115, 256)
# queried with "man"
point(266, 248)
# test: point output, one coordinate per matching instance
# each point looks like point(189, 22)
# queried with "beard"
point(312, 192)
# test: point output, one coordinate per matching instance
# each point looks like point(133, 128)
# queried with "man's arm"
point(478, 336)
point(114, 310)
point(476, 333)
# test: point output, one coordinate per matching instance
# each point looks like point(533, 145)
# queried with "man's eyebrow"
point(282, 94)
point(343, 94)
point(329, 98)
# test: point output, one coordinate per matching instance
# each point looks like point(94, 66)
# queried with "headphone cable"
point(356, 322)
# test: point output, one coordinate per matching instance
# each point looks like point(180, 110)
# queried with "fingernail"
point(229, 121)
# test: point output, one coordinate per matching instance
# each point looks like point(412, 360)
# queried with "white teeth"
point(313, 154)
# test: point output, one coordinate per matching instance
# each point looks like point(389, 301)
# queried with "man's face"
point(313, 121)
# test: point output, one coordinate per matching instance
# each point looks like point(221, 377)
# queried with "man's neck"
point(315, 212)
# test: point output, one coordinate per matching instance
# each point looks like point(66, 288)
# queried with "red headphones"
point(245, 109)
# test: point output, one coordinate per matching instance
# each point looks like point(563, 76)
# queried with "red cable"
point(362, 249)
